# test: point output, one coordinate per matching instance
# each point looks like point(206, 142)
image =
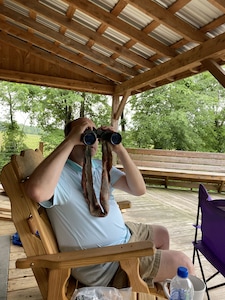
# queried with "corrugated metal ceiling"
point(130, 34)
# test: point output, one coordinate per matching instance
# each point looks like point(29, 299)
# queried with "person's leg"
point(160, 237)
point(170, 259)
point(169, 262)
point(165, 262)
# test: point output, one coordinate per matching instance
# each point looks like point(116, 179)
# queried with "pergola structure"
point(111, 47)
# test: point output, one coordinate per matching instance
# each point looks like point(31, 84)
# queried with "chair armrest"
point(124, 204)
point(87, 257)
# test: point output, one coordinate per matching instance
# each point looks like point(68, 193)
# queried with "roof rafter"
point(130, 31)
point(192, 59)
point(52, 81)
point(216, 70)
point(110, 46)
point(218, 3)
point(76, 27)
point(68, 42)
point(168, 19)
point(60, 52)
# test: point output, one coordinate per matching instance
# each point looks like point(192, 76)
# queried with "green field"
point(31, 140)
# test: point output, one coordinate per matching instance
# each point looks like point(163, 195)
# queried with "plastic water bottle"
point(181, 287)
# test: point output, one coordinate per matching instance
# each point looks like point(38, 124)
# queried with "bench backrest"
point(30, 221)
point(178, 160)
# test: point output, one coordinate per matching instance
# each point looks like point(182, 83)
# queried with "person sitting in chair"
point(77, 192)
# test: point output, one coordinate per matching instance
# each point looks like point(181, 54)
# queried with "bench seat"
point(180, 168)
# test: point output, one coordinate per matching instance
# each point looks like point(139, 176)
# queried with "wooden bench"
point(180, 168)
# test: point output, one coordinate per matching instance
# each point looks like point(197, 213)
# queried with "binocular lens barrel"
point(113, 137)
point(89, 137)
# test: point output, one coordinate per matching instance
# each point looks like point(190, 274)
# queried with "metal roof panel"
point(165, 35)
point(98, 25)
point(16, 7)
point(134, 17)
point(115, 36)
point(199, 13)
point(86, 20)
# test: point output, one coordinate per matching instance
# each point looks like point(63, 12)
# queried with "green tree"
point(53, 108)
point(49, 109)
point(212, 104)
point(12, 99)
point(185, 115)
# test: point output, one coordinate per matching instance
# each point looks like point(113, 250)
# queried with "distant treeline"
point(25, 128)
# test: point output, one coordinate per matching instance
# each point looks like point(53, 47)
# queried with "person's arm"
point(133, 181)
point(42, 182)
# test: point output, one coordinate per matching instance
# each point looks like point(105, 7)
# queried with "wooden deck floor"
point(174, 209)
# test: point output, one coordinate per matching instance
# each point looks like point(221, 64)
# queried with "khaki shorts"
point(149, 265)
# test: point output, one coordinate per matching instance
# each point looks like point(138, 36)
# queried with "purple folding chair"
point(211, 221)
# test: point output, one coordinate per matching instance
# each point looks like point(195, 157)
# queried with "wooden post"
point(41, 147)
point(115, 105)
point(114, 122)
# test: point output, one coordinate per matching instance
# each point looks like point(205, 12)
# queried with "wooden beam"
point(216, 70)
point(115, 105)
point(179, 4)
point(121, 106)
point(57, 82)
point(28, 58)
point(220, 4)
point(210, 49)
point(165, 17)
point(77, 28)
point(50, 47)
point(69, 44)
point(123, 27)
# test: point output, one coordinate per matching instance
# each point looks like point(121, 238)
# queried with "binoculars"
point(89, 136)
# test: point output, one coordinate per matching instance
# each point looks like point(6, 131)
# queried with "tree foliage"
point(50, 109)
point(186, 115)
point(53, 108)
point(12, 98)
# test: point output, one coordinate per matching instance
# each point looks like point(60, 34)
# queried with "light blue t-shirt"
point(76, 228)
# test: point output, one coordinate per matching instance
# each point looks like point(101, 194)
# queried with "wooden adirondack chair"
point(51, 268)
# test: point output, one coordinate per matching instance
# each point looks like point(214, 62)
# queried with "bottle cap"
point(182, 272)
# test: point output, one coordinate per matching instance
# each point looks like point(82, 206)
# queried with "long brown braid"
point(96, 209)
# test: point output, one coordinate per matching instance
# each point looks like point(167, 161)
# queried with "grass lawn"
point(31, 140)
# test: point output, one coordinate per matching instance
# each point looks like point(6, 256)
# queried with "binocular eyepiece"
point(89, 136)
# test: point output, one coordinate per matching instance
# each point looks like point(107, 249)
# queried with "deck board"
point(175, 209)
point(4, 265)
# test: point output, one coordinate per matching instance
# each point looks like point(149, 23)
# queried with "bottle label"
point(180, 294)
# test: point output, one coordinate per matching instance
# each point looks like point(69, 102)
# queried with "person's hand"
point(78, 130)
point(104, 128)
point(115, 148)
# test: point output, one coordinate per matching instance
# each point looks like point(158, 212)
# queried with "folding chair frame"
point(200, 249)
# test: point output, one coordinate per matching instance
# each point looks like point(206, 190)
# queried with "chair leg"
point(203, 275)
point(193, 257)
point(211, 277)
point(57, 283)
